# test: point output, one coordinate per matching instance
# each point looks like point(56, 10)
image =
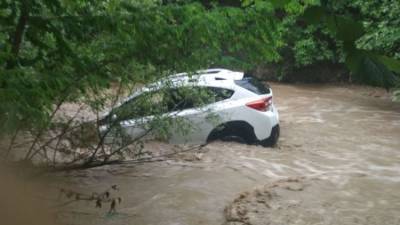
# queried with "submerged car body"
point(242, 106)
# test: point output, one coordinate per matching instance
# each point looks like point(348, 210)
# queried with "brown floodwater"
point(337, 162)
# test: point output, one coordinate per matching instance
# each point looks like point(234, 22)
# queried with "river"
point(337, 162)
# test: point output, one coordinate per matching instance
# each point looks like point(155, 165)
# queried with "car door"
point(199, 114)
point(133, 118)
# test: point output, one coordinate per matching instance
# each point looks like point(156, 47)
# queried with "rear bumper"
point(273, 137)
point(264, 122)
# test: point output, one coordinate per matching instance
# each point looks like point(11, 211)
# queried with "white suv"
point(242, 105)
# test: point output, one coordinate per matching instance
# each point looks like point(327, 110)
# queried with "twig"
point(59, 137)
point(28, 155)
point(10, 147)
point(95, 164)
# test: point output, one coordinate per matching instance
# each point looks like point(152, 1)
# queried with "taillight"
point(261, 105)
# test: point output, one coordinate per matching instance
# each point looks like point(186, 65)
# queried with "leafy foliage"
point(361, 34)
point(57, 51)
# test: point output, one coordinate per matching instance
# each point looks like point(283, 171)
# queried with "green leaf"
point(390, 63)
point(314, 14)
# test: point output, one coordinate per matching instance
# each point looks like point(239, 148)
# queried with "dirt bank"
point(338, 162)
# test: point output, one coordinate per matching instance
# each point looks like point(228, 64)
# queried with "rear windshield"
point(253, 85)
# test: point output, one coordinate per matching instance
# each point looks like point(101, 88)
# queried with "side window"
point(221, 93)
point(179, 99)
point(145, 104)
point(192, 97)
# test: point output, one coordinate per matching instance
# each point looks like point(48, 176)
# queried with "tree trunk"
point(16, 39)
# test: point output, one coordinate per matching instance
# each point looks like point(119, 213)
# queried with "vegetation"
point(58, 51)
point(361, 35)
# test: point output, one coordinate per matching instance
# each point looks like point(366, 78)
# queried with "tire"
point(236, 131)
point(272, 140)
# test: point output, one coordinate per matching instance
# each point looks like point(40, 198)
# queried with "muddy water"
point(338, 162)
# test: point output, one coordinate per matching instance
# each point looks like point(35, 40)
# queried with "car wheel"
point(236, 131)
point(272, 140)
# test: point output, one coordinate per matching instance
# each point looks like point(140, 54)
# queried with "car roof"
point(208, 75)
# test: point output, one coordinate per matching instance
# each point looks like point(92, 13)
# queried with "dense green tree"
point(59, 50)
point(362, 35)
